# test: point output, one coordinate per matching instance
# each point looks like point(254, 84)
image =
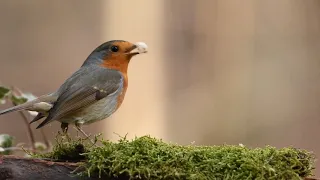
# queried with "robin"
point(92, 93)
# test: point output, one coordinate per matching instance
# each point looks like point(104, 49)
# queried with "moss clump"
point(66, 149)
point(149, 158)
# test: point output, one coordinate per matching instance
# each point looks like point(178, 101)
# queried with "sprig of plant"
point(16, 97)
point(6, 142)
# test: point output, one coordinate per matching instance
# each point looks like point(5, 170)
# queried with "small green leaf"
point(4, 91)
point(18, 99)
point(6, 141)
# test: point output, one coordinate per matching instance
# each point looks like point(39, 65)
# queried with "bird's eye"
point(114, 48)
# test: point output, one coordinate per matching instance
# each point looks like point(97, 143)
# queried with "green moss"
point(66, 149)
point(149, 158)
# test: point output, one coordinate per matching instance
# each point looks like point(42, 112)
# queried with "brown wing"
point(82, 89)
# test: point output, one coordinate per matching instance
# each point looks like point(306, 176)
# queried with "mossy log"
point(20, 168)
point(147, 158)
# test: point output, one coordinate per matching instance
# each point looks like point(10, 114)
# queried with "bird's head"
point(115, 54)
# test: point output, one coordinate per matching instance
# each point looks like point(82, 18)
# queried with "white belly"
point(95, 112)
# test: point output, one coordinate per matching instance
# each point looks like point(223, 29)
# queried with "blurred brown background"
point(217, 71)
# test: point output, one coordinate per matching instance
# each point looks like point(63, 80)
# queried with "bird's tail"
point(12, 109)
point(31, 105)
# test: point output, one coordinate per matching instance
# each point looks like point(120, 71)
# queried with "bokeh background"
point(217, 71)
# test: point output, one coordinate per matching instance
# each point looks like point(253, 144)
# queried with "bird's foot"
point(78, 128)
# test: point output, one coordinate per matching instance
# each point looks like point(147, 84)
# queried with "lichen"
point(149, 158)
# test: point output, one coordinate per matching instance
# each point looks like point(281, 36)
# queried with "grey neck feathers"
point(95, 58)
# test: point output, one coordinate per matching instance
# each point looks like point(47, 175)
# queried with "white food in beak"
point(141, 47)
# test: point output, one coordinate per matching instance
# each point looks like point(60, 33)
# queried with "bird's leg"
point(78, 126)
point(80, 130)
point(64, 127)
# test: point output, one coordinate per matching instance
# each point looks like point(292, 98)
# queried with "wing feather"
point(83, 89)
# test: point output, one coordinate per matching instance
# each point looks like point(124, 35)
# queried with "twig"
point(16, 149)
point(44, 137)
point(29, 130)
point(46, 142)
point(26, 121)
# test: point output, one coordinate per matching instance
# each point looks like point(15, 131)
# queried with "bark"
point(19, 168)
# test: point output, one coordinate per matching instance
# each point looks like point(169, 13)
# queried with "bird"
point(92, 93)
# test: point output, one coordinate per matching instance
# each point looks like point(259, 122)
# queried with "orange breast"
point(120, 64)
point(124, 90)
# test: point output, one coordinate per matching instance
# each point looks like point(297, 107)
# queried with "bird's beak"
point(138, 48)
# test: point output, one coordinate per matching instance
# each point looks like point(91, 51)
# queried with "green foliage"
point(18, 99)
point(7, 93)
point(149, 158)
point(6, 142)
point(3, 93)
point(66, 149)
